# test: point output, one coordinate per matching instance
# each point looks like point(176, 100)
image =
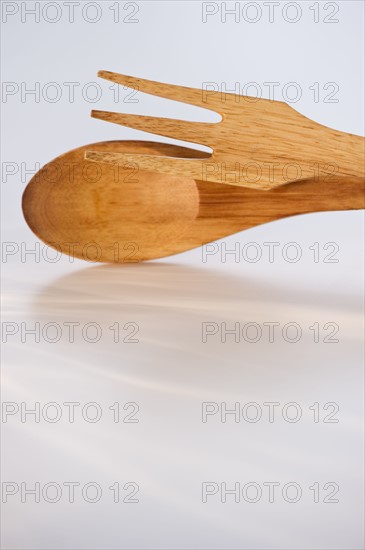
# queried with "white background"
point(170, 372)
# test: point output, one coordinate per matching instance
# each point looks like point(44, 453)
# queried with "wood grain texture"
point(103, 212)
point(259, 143)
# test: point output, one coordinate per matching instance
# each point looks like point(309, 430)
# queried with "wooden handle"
point(226, 209)
point(344, 154)
point(339, 193)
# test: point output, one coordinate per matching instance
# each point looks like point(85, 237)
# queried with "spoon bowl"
point(109, 213)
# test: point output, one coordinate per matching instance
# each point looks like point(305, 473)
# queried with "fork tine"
point(194, 168)
point(195, 132)
point(193, 96)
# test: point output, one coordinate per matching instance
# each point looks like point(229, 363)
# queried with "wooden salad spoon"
point(112, 213)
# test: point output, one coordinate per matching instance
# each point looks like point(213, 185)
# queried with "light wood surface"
point(259, 143)
point(108, 213)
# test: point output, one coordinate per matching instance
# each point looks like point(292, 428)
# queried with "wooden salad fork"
point(259, 143)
